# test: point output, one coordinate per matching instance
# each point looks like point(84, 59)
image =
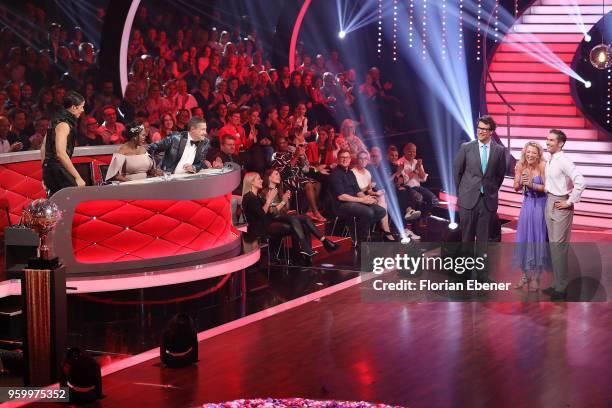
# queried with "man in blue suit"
point(184, 152)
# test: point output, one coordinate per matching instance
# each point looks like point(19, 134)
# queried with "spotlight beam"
point(529, 43)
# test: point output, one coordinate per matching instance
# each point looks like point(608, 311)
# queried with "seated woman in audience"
point(364, 181)
point(321, 152)
point(256, 210)
point(131, 162)
point(292, 167)
point(300, 224)
point(167, 126)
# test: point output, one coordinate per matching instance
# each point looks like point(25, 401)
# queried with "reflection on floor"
point(417, 354)
point(129, 322)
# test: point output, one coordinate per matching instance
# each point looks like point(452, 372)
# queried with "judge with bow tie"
point(184, 152)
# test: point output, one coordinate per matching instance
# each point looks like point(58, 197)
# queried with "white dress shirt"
point(563, 178)
point(409, 167)
point(187, 157)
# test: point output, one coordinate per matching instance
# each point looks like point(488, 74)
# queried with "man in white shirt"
point(561, 174)
point(413, 172)
point(184, 152)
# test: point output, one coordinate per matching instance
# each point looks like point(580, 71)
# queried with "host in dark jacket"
point(184, 152)
point(479, 171)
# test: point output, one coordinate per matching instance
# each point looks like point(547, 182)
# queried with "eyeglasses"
point(484, 129)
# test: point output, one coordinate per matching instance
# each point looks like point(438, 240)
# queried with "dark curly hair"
point(132, 130)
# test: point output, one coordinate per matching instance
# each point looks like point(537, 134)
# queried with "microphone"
point(525, 174)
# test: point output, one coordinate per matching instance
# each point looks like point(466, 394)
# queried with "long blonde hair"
point(247, 182)
point(522, 163)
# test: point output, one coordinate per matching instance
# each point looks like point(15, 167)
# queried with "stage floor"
point(311, 332)
point(437, 354)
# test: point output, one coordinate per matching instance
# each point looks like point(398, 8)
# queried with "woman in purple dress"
point(531, 251)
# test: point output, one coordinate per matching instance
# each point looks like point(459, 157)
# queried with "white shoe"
point(412, 214)
point(412, 235)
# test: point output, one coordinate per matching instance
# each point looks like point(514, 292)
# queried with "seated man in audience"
point(8, 143)
point(111, 130)
point(393, 157)
point(40, 131)
point(19, 121)
point(351, 201)
point(233, 128)
point(413, 172)
point(225, 154)
point(252, 127)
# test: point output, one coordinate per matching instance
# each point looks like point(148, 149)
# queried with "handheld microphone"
point(525, 174)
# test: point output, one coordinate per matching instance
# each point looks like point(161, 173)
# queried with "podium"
point(43, 293)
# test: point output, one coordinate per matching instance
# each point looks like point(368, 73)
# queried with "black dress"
point(55, 176)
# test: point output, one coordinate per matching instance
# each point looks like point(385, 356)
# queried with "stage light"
point(587, 84)
point(453, 226)
point(179, 346)
point(587, 38)
point(342, 34)
point(405, 240)
point(82, 375)
point(601, 56)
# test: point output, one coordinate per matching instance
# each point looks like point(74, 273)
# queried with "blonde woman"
point(531, 252)
point(364, 181)
point(257, 211)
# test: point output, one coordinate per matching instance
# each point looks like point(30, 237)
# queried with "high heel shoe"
point(330, 246)
point(388, 237)
point(523, 282)
point(534, 285)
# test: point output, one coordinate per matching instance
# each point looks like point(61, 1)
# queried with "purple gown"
point(531, 253)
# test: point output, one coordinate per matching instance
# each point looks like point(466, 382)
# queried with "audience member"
point(350, 200)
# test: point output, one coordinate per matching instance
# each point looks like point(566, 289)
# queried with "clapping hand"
point(286, 196)
point(17, 146)
point(217, 163)
point(271, 194)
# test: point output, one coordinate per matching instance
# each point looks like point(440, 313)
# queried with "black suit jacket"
point(173, 147)
point(469, 178)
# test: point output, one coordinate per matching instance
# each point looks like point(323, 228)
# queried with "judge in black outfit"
point(56, 152)
point(184, 152)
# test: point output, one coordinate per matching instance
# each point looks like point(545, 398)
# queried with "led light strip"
point(424, 30)
point(411, 24)
point(380, 20)
point(443, 29)
point(460, 29)
point(478, 31)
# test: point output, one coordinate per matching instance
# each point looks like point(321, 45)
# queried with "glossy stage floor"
point(290, 331)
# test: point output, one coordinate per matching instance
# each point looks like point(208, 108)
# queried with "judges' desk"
point(155, 222)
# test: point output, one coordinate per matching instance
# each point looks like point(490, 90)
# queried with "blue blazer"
point(173, 147)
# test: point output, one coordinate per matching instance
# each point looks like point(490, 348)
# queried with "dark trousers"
point(366, 215)
point(475, 226)
point(301, 227)
point(429, 199)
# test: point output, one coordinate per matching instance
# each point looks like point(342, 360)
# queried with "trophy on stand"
point(43, 293)
point(42, 216)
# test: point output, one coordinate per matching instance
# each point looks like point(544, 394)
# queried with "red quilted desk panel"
point(121, 230)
